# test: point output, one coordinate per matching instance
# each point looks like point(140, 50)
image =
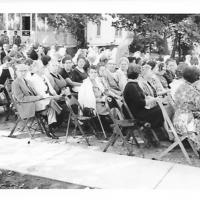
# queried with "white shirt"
point(175, 84)
point(40, 86)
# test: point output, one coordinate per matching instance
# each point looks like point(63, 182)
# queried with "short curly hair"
point(180, 68)
point(191, 74)
point(133, 71)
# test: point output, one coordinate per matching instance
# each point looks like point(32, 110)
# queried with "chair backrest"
point(127, 110)
point(167, 118)
point(8, 85)
point(73, 105)
point(14, 103)
point(114, 109)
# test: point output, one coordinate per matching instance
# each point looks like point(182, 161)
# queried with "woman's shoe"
point(54, 136)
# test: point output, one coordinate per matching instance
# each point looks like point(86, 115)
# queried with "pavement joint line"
point(161, 180)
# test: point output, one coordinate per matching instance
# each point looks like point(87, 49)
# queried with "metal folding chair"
point(119, 125)
point(75, 115)
point(177, 139)
point(27, 123)
point(142, 127)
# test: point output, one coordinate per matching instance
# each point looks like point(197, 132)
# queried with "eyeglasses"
point(69, 62)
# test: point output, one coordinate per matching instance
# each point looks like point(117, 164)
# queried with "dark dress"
point(78, 76)
point(64, 74)
point(135, 99)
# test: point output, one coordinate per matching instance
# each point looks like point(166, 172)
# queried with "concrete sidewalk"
point(88, 167)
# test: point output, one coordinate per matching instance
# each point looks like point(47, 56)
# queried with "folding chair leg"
point(91, 127)
point(25, 124)
point(104, 133)
point(74, 131)
point(28, 127)
point(119, 134)
point(46, 130)
point(115, 139)
point(112, 138)
point(177, 139)
point(67, 131)
point(142, 135)
point(131, 134)
point(40, 125)
point(15, 126)
point(8, 114)
point(134, 138)
point(193, 148)
point(178, 142)
point(155, 137)
point(81, 130)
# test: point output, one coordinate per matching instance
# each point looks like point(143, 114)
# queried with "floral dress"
point(187, 102)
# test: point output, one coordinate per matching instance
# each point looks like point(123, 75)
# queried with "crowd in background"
point(42, 77)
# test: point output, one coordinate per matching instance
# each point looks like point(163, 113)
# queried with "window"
point(26, 22)
point(98, 28)
point(118, 32)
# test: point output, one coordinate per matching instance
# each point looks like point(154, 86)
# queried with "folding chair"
point(75, 115)
point(142, 127)
point(8, 84)
point(177, 139)
point(4, 101)
point(119, 123)
point(27, 123)
point(98, 117)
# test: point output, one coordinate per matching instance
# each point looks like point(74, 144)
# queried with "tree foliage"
point(151, 29)
point(74, 23)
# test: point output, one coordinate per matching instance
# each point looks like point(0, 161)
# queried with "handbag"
point(88, 112)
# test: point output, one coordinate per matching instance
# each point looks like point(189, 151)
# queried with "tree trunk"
point(166, 49)
point(150, 48)
point(179, 46)
point(174, 45)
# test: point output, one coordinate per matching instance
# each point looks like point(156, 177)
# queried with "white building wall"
point(107, 35)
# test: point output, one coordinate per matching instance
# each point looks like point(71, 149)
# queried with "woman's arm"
point(73, 83)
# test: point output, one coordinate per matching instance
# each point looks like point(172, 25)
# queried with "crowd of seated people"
point(42, 78)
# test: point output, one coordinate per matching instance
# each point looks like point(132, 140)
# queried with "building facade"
point(104, 34)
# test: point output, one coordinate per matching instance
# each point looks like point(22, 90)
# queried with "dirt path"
point(15, 180)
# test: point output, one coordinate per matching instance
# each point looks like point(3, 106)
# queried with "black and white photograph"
point(99, 100)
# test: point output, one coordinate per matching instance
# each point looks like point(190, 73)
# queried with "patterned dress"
point(187, 102)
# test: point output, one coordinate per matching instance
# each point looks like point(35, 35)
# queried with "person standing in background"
point(5, 38)
point(16, 39)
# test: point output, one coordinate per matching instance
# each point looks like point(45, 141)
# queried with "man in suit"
point(16, 39)
point(28, 102)
point(5, 52)
point(5, 38)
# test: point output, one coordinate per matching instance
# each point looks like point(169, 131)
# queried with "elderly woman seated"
point(121, 73)
point(187, 105)
point(46, 90)
point(171, 67)
point(111, 77)
point(92, 95)
point(179, 80)
point(101, 74)
point(139, 104)
point(160, 71)
point(153, 80)
point(51, 71)
point(28, 101)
